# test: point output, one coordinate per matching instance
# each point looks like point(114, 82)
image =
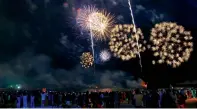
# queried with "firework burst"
point(99, 22)
point(171, 44)
point(124, 41)
point(105, 55)
point(86, 60)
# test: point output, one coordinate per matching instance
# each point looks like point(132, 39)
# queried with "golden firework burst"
point(170, 44)
point(86, 60)
point(96, 21)
point(123, 41)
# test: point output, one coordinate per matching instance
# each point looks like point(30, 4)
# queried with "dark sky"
point(40, 43)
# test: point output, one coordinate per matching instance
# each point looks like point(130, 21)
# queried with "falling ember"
point(171, 44)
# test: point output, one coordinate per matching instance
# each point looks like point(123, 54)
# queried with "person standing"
point(60, 100)
point(69, 99)
point(21, 99)
point(193, 91)
point(168, 100)
point(9, 94)
point(1, 100)
point(138, 98)
point(160, 97)
point(18, 102)
point(32, 101)
point(43, 98)
point(181, 99)
point(155, 97)
point(25, 100)
point(116, 100)
point(52, 99)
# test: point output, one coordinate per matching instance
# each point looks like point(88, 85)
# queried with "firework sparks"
point(171, 44)
point(99, 22)
point(105, 55)
point(123, 41)
point(86, 60)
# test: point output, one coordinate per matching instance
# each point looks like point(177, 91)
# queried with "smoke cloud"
point(35, 71)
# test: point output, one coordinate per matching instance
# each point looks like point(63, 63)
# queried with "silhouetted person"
point(138, 97)
point(25, 100)
point(181, 100)
point(154, 99)
point(168, 100)
point(32, 100)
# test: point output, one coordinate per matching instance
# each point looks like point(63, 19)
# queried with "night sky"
point(40, 44)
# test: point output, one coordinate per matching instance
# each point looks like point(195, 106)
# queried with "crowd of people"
point(160, 98)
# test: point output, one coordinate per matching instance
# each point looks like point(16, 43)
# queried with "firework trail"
point(133, 21)
point(97, 22)
point(92, 46)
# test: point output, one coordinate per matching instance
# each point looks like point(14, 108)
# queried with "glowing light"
point(123, 41)
point(86, 60)
point(105, 55)
point(18, 86)
point(171, 44)
point(99, 22)
point(143, 84)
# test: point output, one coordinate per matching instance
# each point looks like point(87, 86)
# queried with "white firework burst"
point(105, 55)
